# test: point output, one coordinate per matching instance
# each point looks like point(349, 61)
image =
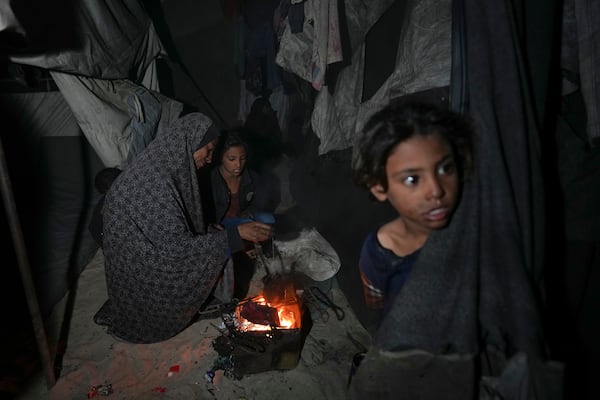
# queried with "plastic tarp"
point(118, 117)
point(423, 62)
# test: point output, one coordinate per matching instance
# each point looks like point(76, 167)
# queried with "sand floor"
point(177, 368)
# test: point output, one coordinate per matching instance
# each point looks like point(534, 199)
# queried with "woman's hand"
point(255, 232)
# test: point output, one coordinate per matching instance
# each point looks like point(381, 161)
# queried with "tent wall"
point(51, 167)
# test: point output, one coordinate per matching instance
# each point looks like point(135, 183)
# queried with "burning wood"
point(257, 314)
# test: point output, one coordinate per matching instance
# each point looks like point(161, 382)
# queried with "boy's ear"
point(379, 192)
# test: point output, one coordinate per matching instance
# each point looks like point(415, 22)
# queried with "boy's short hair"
point(235, 137)
point(397, 122)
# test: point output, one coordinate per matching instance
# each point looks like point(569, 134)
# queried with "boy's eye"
point(411, 180)
point(447, 168)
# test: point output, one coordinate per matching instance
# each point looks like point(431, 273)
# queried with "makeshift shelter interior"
point(524, 70)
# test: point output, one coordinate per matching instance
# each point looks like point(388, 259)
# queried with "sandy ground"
point(134, 371)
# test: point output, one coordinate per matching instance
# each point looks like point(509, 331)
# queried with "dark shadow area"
point(48, 24)
point(157, 15)
point(381, 46)
point(18, 347)
point(342, 212)
point(572, 278)
point(51, 182)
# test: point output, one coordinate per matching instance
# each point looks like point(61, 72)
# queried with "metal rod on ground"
point(26, 277)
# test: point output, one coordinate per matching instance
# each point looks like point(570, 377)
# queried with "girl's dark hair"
point(399, 121)
point(228, 139)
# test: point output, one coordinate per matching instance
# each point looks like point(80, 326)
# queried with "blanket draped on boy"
point(467, 324)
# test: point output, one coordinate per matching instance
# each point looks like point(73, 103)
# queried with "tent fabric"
point(8, 20)
point(41, 113)
point(53, 183)
point(318, 44)
point(118, 117)
point(66, 246)
point(115, 40)
point(422, 63)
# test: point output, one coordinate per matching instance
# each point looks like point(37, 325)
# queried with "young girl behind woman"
point(241, 195)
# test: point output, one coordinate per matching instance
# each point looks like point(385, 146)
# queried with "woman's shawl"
point(161, 265)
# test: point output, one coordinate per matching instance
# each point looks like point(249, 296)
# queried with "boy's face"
point(234, 161)
point(423, 182)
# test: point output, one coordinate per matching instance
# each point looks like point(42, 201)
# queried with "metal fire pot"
point(245, 351)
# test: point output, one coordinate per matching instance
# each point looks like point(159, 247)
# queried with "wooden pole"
point(26, 277)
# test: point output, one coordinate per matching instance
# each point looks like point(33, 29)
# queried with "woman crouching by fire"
point(162, 263)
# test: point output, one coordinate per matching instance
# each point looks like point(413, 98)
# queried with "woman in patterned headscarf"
point(161, 263)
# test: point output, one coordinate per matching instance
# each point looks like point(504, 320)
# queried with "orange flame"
point(288, 313)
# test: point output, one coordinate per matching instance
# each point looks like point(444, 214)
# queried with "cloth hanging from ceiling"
point(422, 63)
point(307, 53)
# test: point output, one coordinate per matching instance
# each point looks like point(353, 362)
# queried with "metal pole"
point(26, 277)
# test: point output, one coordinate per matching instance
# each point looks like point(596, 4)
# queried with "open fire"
point(259, 314)
point(264, 332)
